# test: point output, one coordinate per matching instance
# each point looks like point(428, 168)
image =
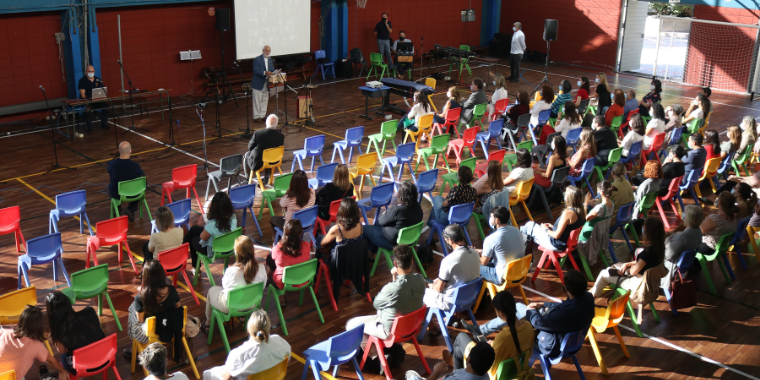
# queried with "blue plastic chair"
point(334, 352)
point(42, 250)
point(741, 233)
point(312, 147)
point(622, 219)
point(70, 204)
point(353, 139)
point(544, 116)
point(691, 181)
point(586, 170)
point(633, 154)
point(493, 133)
point(308, 218)
point(426, 183)
point(675, 136)
point(242, 199)
point(459, 214)
point(181, 210)
point(571, 344)
point(404, 155)
point(380, 196)
point(324, 175)
point(725, 167)
point(573, 136)
point(464, 297)
point(684, 263)
point(321, 59)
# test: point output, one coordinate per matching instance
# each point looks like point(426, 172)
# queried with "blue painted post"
point(342, 6)
point(330, 25)
point(72, 51)
point(489, 25)
point(94, 41)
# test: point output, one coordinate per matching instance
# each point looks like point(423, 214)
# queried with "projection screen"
point(284, 25)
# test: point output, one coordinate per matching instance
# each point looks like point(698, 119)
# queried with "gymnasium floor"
point(716, 339)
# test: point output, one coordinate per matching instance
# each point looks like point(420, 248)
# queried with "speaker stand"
point(546, 70)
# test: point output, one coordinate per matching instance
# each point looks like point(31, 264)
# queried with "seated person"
point(716, 225)
point(523, 171)
point(406, 213)
point(521, 108)
point(630, 103)
point(477, 96)
point(545, 103)
point(420, 108)
point(401, 296)
point(749, 134)
point(339, 188)
point(597, 210)
point(246, 270)
point(697, 155)
point(651, 98)
point(460, 194)
point(616, 109)
point(401, 67)
point(503, 245)
point(499, 92)
point(555, 237)
point(586, 150)
point(712, 145)
point(735, 137)
point(71, 330)
point(23, 344)
point(698, 109)
point(167, 237)
point(649, 182)
point(686, 237)
point(622, 191)
point(453, 95)
point(262, 140)
point(583, 90)
point(746, 199)
point(259, 353)
point(488, 185)
point(606, 140)
point(298, 197)
point(562, 99)
point(635, 135)
point(290, 250)
point(123, 169)
point(570, 120)
point(154, 359)
point(673, 117)
point(346, 230)
point(603, 94)
point(655, 126)
point(221, 219)
point(672, 168)
point(480, 361)
point(558, 160)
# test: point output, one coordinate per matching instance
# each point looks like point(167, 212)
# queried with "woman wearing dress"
point(347, 229)
point(453, 96)
point(298, 197)
point(652, 98)
point(586, 150)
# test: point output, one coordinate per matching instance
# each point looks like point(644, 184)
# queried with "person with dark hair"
point(521, 108)
point(716, 225)
point(460, 194)
point(401, 296)
point(221, 219)
point(655, 126)
point(583, 90)
point(69, 329)
point(523, 171)
point(672, 168)
point(706, 92)
point(460, 266)
point(606, 140)
point(651, 98)
point(401, 67)
point(340, 187)
point(290, 250)
point(712, 144)
point(420, 108)
point(542, 104)
point(382, 33)
point(558, 160)
point(478, 96)
point(154, 358)
point(407, 212)
point(488, 185)
point(698, 109)
point(503, 245)
point(635, 135)
point(23, 344)
point(630, 103)
point(298, 197)
point(697, 156)
point(746, 200)
point(480, 359)
point(570, 120)
point(347, 229)
point(561, 100)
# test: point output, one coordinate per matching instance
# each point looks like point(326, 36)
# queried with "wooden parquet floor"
point(716, 339)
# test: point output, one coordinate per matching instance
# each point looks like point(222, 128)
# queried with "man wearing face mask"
point(695, 157)
point(478, 96)
point(401, 67)
point(605, 138)
point(86, 85)
point(516, 52)
point(505, 244)
point(383, 32)
point(263, 66)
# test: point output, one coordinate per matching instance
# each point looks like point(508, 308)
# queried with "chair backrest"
point(648, 201)
point(508, 369)
point(551, 137)
point(242, 196)
point(674, 186)
point(9, 375)
point(461, 213)
point(741, 231)
point(92, 281)
point(659, 140)
point(744, 155)
point(405, 152)
point(345, 344)
point(282, 183)
point(523, 121)
point(693, 177)
point(497, 156)
point(544, 115)
point(272, 156)
point(686, 259)
point(175, 259)
point(726, 163)
point(13, 304)
point(464, 295)
point(573, 342)
point(185, 175)
point(245, 298)
point(635, 148)
point(675, 136)
point(430, 82)
point(723, 242)
point(182, 208)
point(314, 144)
point(225, 243)
point(425, 123)
point(325, 172)
point(470, 163)
point(308, 216)
point(366, 161)
point(501, 105)
point(231, 165)
point(452, 115)
point(711, 168)
point(132, 188)
point(426, 180)
point(440, 142)
point(72, 202)
point(355, 135)
point(113, 230)
point(382, 194)
point(300, 273)
point(96, 357)
point(410, 235)
point(464, 47)
point(10, 217)
point(44, 246)
point(582, 107)
point(572, 242)
point(388, 128)
point(406, 326)
point(616, 308)
point(527, 145)
point(517, 270)
point(624, 213)
point(523, 189)
point(511, 161)
point(356, 55)
point(559, 176)
point(376, 58)
point(277, 372)
point(614, 155)
point(495, 127)
point(478, 111)
point(616, 121)
point(470, 135)
point(573, 136)
point(319, 54)
point(588, 166)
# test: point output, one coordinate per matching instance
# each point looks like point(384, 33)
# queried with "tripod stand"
point(247, 131)
point(225, 86)
point(55, 165)
point(546, 70)
point(310, 121)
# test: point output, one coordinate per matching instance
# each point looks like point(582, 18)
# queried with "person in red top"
point(21, 345)
point(616, 109)
point(583, 89)
point(712, 144)
point(290, 250)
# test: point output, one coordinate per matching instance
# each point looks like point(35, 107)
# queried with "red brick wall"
point(588, 29)
point(712, 57)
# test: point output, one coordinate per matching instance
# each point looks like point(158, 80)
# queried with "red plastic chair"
point(572, 242)
point(110, 232)
point(96, 358)
point(468, 140)
point(452, 119)
point(182, 178)
point(625, 124)
point(405, 327)
point(174, 262)
point(498, 156)
point(499, 108)
point(655, 147)
point(673, 190)
point(10, 221)
point(334, 206)
point(324, 270)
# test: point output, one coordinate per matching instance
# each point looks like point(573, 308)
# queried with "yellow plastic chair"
point(272, 159)
point(138, 347)
point(13, 304)
point(514, 276)
point(365, 166)
point(430, 82)
point(711, 168)
point(605, 319)
point(751, 233)
point(424, 127)
point(705, 124)
point(277, 372)
point(522, 192)
point(10, 375)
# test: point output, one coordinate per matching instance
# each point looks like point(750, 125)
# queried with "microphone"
point(119, 62)
point(42, 88)
point(236, 63)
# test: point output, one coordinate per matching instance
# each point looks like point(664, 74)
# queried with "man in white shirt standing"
point(263, 66)
point(516, 53)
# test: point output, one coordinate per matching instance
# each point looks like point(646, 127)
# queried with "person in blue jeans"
point(384, 233)
point(463, 193)
point(505, 244)
point(383, 31)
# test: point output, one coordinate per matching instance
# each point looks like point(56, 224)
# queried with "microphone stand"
point(199, 112)
point(131, 89)
point(115, 132)
point(55, 165)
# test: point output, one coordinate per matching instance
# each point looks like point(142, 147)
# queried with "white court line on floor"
point(663, 342)
point(162, 143)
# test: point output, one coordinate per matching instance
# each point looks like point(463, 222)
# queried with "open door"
point(632, 32)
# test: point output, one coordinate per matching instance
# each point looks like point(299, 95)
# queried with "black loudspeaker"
point(223, 20)
point(550, 30)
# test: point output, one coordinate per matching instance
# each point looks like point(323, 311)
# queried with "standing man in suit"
point(383, 32)
point(263, 66)
point(262, 140)
point(516, 52)
point(478, 96)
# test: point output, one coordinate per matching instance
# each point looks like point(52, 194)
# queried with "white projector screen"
point(284, 25)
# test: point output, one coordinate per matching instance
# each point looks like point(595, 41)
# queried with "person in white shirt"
point(523, 171)
point(154, 359)
point(656, 125)
point(260, 352)
point(516, 52)
point(698, 109)
point(461, 266)
point(636, 133)
point(547, 98)
point(247, 270)
point(570, 119)
point(401, 67)
point(420, 108)
point(499, 93)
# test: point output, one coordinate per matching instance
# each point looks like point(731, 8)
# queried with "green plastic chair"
point(479, 220)
point(526, 145)
point(587, 269)
point(376, 60)
point(646, 119)
point(463, 62)
point(632, 312)
point(691, 128)
point(131, 191)
point(617, 121)
point(510, 160)
point(477, 115)
point(720, 250)
point(452, 178)
point(279, 188)
point(742, 160)
point(222, 248)
point(89, 283)
point(438, 145)
point(591, 109)
point(612, 158)
point(407, 235)
point(242, 302)
point(647, 203)
point(387, 132)
point(296, 278)
point(509, 369)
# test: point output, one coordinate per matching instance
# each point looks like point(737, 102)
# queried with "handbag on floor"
point(683, 292)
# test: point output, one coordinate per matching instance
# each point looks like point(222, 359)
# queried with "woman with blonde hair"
point(154, 359)
point(453, 96)
point(259, 353)
point(749, 133)
point(487, 185)
point(603, 92)
point(499, 92)
point(586, 150)
point(167, 237)
point(246, 270)
point(543, 104)
point(340, 187)
point(555, 236)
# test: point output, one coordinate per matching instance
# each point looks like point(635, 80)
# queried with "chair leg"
point(586, 268)
point(706, 274)
point(632, 314)
point(419, 353)
point(316, 304)
point(480, 297)
point(192, 291)
point(416, 259)
point(595, 348)
point(620, 340)
point(190, 358)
